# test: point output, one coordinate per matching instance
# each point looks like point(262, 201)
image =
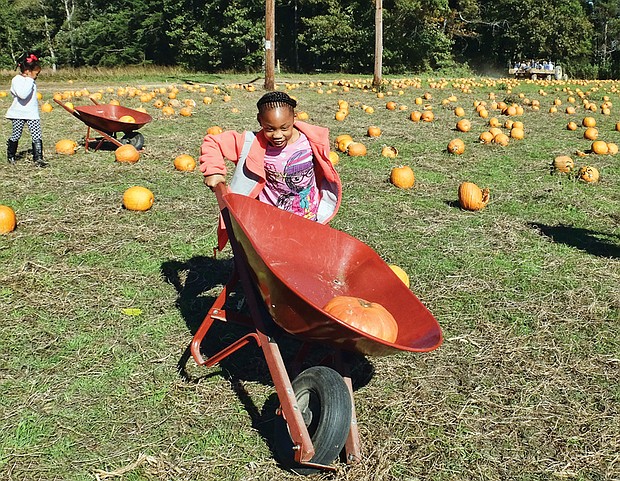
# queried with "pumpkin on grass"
point(456, 146)
point(127, 153)
point(185, 163)
point(334, 158)
point(402, 177)
point(8, 220)
point(588, 173)
point(463, 125)
point(402, 275)
point(591, 133)
point(356, 149)
point(369, 317)
point(138, 198)
point(374, 131)
point(563, 163)
point(66, 147)
point(471, 197)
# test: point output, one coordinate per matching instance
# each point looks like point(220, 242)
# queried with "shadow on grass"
point(593, 242)
point(198, 282)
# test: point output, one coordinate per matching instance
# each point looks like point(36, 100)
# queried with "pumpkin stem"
point(364, 303)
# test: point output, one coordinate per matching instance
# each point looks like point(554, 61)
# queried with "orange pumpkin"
point(128, 119)
point(591, 133)
point(391, 105)
point(456, 146)
point(463, 125)
point(214, 130)
point(402, 275)
point(127, 153)
point(459, 111)
point(138, 198)
point(612, 148)
point(486, 137)
point(589, 122)
point(47, 107)
point(334, 158)
point(563, 163)
point(302, 116)
point(8, 220)
point(370, 317)
point(415, 116)
point(356, 149)
point(517, 133)
point(571, 126)
point(66, 147)
point(427, 116)
point(588, 174)
point(402, 177)
point(501, 139)
point(374, 131)
point(343, 144)
point(471, 197)
point(340, 115)
point(185, 163)
point(186, 112)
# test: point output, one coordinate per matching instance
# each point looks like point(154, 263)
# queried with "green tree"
point(605, 17)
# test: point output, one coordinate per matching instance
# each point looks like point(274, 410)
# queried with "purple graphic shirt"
point(290, 181)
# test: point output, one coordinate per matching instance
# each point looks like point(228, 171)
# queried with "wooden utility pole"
point(270, 44)
point(376, 81)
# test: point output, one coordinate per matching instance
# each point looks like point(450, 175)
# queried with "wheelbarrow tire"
point(134, 138)
point(326, 405)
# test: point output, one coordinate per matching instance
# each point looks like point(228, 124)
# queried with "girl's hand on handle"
point(214, 179)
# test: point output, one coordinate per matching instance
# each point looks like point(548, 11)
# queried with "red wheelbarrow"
point(289, 267)
point(105, 119)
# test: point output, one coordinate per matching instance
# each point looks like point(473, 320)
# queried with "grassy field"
point(527, 291)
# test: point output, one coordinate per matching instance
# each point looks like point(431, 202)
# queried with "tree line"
point(316, 35)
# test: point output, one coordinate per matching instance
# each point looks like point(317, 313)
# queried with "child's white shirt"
point(25, 103)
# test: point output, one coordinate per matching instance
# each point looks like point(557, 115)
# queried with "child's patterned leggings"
point(34, 125)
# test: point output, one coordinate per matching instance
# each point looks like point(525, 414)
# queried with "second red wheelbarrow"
point(290, 267)
point(108, 120)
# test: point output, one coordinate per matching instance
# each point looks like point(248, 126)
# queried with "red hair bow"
point(32, 58)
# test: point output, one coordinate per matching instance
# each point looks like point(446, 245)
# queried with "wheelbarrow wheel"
point(134, 138)
point(326, 407)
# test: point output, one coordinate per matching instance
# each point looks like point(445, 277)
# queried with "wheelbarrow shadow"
point(198, 281)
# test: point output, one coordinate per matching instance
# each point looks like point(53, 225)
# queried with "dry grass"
point(525, 386)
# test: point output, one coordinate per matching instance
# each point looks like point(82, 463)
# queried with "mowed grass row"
point(525, 385)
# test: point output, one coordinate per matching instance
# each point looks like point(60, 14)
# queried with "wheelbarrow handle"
point(68, 109)
point(221, 190)
point(94, 100)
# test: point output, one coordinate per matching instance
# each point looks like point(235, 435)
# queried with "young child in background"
point(285, 164)
point(25, 110)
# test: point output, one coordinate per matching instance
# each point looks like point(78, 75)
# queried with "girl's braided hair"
point(273, 100)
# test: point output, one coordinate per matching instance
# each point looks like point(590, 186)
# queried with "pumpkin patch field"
point(510, 236)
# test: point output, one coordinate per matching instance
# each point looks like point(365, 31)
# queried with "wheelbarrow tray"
point(105, 117)
point(299, 265)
